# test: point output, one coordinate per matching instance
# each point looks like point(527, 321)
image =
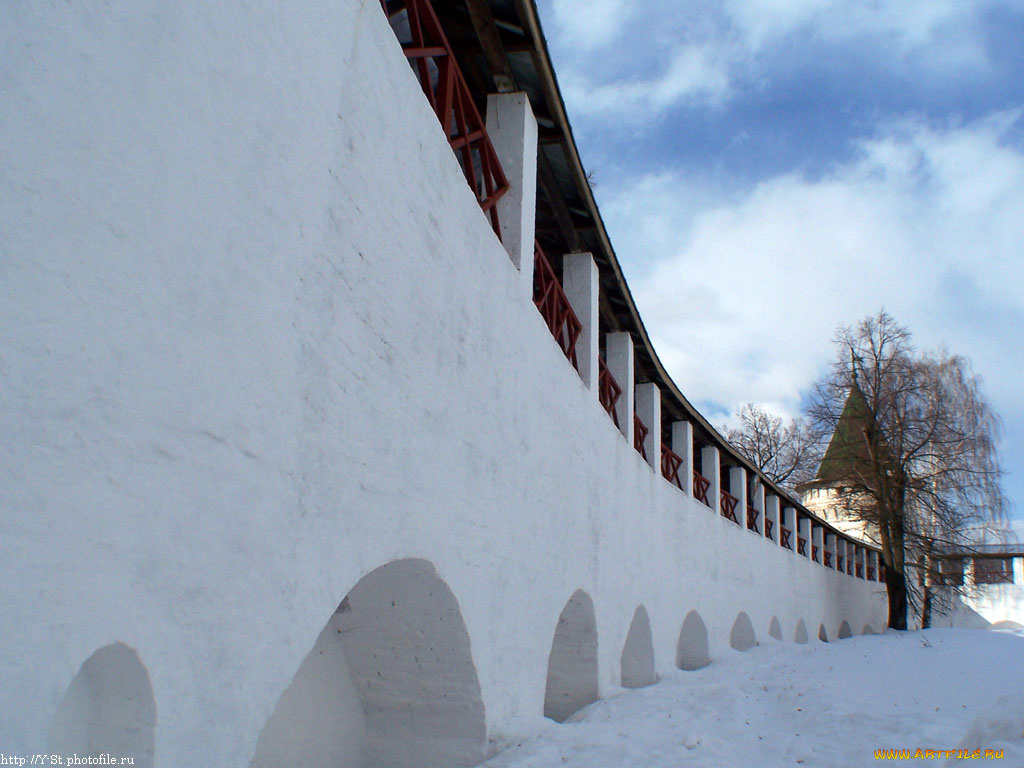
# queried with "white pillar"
point(789, 521)
point(817, 540)
point(581, 286)
point(1018, 570)
point(619, 357)
point(804, 532)
point(648, 409)
point(738, 488)
point(772, 514)
point(709, 467)
point(682, 446)
point(758, 504)
point(513, 132)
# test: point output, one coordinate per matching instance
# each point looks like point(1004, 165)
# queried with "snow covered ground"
point(822, 704)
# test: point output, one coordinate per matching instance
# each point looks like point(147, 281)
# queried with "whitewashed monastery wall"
point(258, 342)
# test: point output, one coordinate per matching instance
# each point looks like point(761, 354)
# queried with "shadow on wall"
point(844, 631)
point(742, 636)
point(822, 634)
point(775, 629)
point(390, 682)
point(108, 709)
point(637, 661)
point(572, 663)
point(692, 647)
point(800, 635)
point(867, 630)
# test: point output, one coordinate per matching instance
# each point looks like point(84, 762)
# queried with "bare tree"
point(916, 455)
point(784, 452)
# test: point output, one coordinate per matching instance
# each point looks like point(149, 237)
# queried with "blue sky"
point(771, 169)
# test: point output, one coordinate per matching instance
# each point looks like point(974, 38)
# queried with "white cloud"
point(910, 23)
point(693, 73)
point(743, 303)
point(589, 24)
point(700, 49)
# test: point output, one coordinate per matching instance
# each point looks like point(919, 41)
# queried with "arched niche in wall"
point(867, 630)
point(844, 631)
point(637, 661)
point(800, 635)
point(775, 629)
point(742, 636)
point(692, 648)
point(390, 682)
point(572, 663)
point(108, 709)
point(822, 634)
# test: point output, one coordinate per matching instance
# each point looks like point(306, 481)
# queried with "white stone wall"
point(257, 341)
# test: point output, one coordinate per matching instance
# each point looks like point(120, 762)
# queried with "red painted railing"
point(554, 306)
point(608, 389)
point(993, 571)
point(840, 563)
point(752, 515)
point(444, 86)
point(670, 464)
point(801, 545)
point(700, 487)
point(729, 503)
point(784, 534)
point(828, 559)
point(814, 553)
point(639, 436)
point(768, 525)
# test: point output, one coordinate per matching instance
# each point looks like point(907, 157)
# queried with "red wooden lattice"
point(768, 525)
point(729, 503)
point(814, 553)
point(840, 563)
point(433, 60)
point(752, 515)
point(639, 436)
point(784, 534)
point(993, 571)
point(554, 306)
point(828, 559)
point(993, 577)
point(670, 464)
point(608, 389)
point(801, 545)
point(700, 487)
